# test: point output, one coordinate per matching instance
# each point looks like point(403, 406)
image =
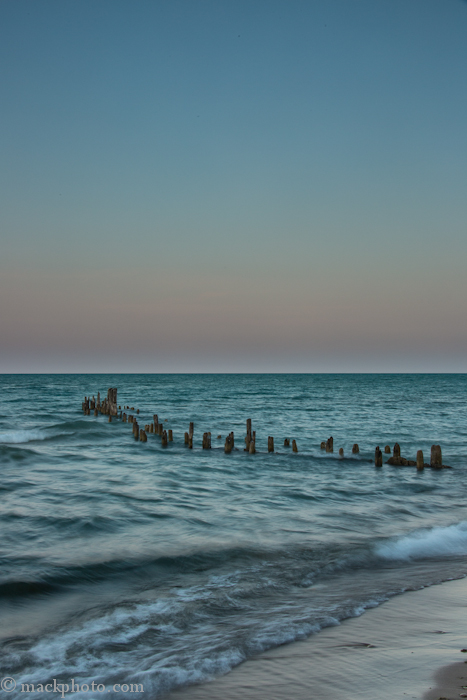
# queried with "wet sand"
point(406, 648)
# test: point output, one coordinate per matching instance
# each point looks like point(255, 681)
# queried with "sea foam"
point(427, 544)
point(22, 436)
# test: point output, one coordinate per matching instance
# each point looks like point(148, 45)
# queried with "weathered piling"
point(190, 441)
point(294, 446)
point(270, 444)
point(252, 448)
point(96, 412)
point(171, 436)
point(323, 445)
point(228, 444)
point(192, 429)
point(387, 450)
point(187, 437)
point(436, 458)
point(286, 442)
point(164, 440)
point(151, 428)
point(378, 458)
point(341, 451)
point(143, 436)
point(355, 449)
point(420, 460)
point(156, 423)
point(112, 401)
point(161, 429)
point(396, 453)
point(330, 444)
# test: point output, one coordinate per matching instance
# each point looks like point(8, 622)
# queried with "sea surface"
point(126, 562)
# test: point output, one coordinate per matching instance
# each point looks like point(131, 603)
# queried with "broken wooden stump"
point(228, 444)
point(171, 436)
point(187, 437)
point(378, 458)
point(436, 460)
point(420, 460)
point(270, 444)
point(323, 445)
point(286, 442)
point(294, 446)
point(387, 450)
point(355, 449)
point(330, 444)
point(341, 451)
point(164, 439)
point(396, 451)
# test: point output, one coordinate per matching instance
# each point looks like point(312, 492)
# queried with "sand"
point(406, 648)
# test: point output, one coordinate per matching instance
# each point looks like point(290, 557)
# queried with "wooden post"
point(252, 448)
point(387, 450)
point(190, 441)
point(355, 449)
point(397, 451)
point(341, 451)
point(323, 445)
point(171, 436)
point(378, 458)
point(164, 438)
point(161, 428)
point(420, 460)
point(436, 458)
point(228, 444)
point(192, 429)
point(270, 444)
point(110, 418)
point(186, 438)
point(287, 442)
point(330, 445)
point(96, 412)
point(294, 446)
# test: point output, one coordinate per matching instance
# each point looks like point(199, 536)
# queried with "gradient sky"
point(212, 185)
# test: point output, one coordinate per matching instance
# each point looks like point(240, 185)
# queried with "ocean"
point(129, 563)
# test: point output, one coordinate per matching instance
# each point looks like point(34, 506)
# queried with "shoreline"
point(408, 647)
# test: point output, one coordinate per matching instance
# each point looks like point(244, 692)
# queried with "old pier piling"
point(355, 449)
point(270, 444)
point(330, 444)
point(378, 458)
point(420, 460)
point(294, 446)
point(436, 459)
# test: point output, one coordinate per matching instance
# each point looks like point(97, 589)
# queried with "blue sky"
point(233, 186)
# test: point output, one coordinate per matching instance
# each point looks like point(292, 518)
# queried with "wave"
point(16, 437)
point(427, 544)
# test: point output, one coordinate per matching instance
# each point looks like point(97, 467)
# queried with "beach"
point(409, 647)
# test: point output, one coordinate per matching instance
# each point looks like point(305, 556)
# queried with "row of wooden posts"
point(108, 406)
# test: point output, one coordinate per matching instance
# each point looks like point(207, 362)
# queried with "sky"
point(233, 186)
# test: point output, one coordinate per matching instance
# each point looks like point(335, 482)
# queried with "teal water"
point(124, 562)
